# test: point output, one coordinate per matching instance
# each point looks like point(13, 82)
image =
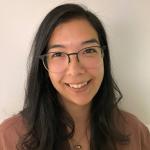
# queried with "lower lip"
point(82, 89)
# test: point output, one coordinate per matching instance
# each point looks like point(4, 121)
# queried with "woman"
point(71, 98)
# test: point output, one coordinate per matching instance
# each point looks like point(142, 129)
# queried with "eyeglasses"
point(58, 61)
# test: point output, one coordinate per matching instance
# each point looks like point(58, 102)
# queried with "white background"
point(127, 23)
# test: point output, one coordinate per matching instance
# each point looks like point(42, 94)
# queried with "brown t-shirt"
point(13, 128)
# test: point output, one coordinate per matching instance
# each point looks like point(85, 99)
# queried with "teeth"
point(77, 86)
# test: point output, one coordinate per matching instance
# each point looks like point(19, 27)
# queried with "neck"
point(81, 118)
point(80, 114)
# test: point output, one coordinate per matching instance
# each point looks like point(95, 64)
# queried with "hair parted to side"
point(45, 117)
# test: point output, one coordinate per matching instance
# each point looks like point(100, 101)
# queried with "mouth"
point(78, 85)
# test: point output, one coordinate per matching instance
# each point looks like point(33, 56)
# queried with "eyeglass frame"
point(73, 53)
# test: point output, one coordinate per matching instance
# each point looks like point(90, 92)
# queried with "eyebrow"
point(91, 41)
point(56, 46)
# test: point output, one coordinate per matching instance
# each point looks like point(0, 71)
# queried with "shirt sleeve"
point(1, 143)
point(139, 135)
point(11, 130)
point(145, 138)
point(8, 138)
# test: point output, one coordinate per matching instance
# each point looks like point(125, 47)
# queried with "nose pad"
point(69, 58)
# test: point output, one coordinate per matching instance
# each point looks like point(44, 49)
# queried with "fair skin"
point(71, 36)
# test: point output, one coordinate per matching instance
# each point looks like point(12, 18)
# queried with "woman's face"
point(77, 84)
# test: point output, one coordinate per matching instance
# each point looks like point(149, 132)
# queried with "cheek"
point(98, 74)
point(55, 79)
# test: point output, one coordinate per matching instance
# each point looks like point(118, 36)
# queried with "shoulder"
point(131, 121)
point(13, 123)
point(11, 130)
point(138, 133)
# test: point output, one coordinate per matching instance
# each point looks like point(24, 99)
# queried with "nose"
point(74, 66)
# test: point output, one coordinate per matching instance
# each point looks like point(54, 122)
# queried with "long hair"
point(46, 119)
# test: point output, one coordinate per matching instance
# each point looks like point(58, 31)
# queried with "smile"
point(77, 86)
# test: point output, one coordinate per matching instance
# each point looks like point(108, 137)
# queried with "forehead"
point(73, 33)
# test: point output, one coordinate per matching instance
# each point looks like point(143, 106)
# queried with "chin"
point(80, 102)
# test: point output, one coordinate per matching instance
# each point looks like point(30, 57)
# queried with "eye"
point(57, 54)
point(90, 50)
